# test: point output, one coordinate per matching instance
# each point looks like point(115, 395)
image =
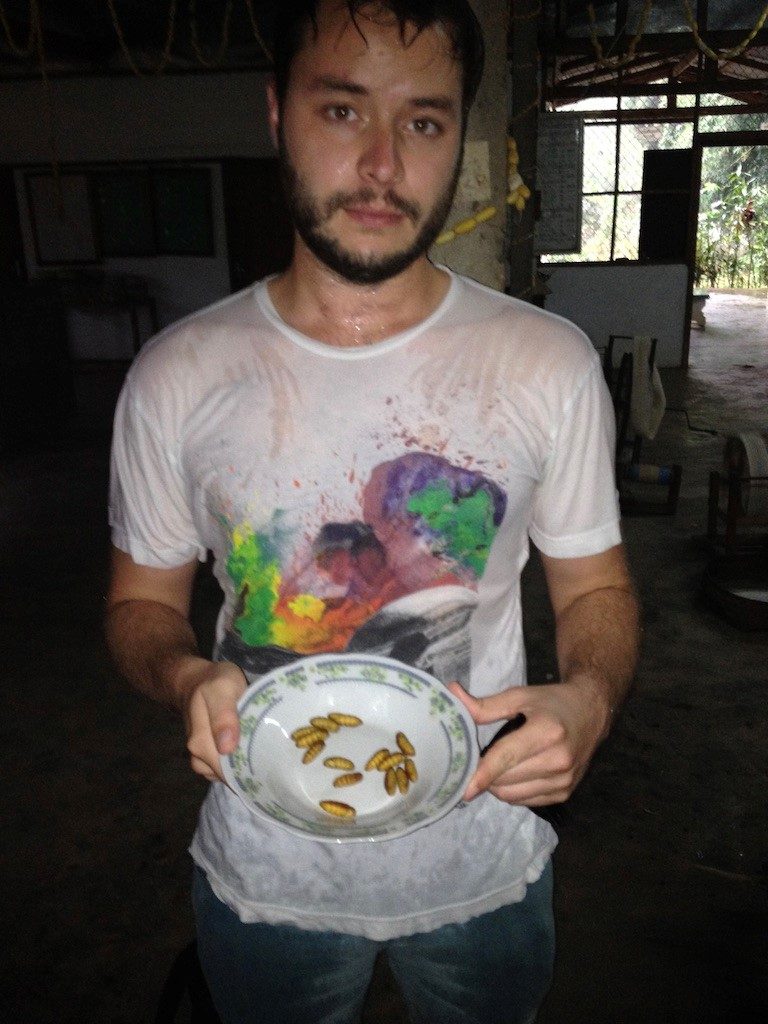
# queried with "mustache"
point(365, 195)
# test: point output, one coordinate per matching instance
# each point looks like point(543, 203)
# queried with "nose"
point(381, 161)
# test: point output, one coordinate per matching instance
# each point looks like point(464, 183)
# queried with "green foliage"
point(732, 242)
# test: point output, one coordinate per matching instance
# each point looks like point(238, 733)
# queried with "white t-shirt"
point(348, 494)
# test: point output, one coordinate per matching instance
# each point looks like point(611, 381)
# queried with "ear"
point(273, 111)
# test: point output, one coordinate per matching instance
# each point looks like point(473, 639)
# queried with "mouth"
point(374, 218)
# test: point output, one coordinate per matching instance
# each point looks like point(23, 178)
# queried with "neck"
point(324, 306)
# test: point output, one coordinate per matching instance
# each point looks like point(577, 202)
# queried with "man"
point(364, 427)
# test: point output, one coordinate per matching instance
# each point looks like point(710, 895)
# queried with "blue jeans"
point(495, 969)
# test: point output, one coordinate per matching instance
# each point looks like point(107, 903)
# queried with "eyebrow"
point(329, 83)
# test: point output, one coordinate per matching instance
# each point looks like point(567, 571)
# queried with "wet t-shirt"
point(380, 500)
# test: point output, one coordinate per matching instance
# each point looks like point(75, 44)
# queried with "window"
point(153, 211)
point(612, 180)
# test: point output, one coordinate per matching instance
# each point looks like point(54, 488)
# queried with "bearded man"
point(373, 400)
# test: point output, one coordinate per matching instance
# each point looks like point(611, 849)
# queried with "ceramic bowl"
point(286, 767)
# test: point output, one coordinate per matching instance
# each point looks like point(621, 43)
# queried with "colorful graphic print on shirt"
point(399, 579)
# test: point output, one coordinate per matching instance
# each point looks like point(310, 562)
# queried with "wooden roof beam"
point(661, 42)
point(616, 88)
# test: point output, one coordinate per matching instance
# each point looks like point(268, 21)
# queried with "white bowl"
point(268, 772)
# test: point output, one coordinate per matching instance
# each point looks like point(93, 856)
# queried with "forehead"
point(372, 50)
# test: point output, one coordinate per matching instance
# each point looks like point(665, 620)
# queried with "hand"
point(212, 690)
point(542, 762)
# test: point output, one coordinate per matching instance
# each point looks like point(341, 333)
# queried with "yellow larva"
point(310, 738)
point(342, 763)
point(390, 761)
point(405, 744)
point(338, 809)
point(376, 759)
point(410, 770)
point(402, 780)
point(305, 730)
point(312, 752)
point(342, 718)
point(390, 781)
point(328, 724)
point(351, 779)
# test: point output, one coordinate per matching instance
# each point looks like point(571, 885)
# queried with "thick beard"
point(309, 216)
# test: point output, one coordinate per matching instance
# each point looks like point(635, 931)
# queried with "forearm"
point(154, 647)
point(597, 646)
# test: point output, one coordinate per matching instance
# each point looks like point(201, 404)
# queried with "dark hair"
point(294, 16)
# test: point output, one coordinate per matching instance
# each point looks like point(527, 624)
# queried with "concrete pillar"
point(523, 128)
point(481, 253)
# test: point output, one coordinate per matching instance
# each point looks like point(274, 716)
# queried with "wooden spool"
point(746, 457)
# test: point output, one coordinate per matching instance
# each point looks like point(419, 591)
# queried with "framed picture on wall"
point(62, 217)
point(183, 212)
point(123, 202)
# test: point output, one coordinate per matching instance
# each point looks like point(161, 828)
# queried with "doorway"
point(12, 263)
point(259, 227)
point(729, 325)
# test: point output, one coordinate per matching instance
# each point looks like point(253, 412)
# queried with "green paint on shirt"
point(466, 524)
point(254, 570)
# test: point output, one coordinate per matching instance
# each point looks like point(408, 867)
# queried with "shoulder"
point(542, 347)
point(204, 350)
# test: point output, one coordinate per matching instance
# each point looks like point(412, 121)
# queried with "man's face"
point(369, 137)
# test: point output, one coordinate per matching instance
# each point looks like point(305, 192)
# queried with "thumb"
point(498, 706)
point(224, 718)
point(225, 724)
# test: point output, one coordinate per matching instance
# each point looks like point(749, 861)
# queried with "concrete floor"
point(662, 868)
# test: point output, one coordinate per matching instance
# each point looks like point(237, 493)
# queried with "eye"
point(427, 127)
point(340, 112)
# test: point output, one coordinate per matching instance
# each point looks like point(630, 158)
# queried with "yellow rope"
point(618, 62)
point(224, 43)
point(36, 32)
point(165, 57)
point(518, 195)
point(13, 46)
point(533, 105)
point(736, 51)
point(166, 54)
point(529, 16)
point(256, 32)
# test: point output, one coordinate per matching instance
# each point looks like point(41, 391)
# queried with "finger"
point(535, 794)
point(203, 755)
point(494, 708)
point(494, 766)
point(224, 719)
point(225, 727)
point(534, 800)
point(201, 767)
point(522, 756)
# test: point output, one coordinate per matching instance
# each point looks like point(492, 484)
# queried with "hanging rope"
point(206, 61)
point(528, 16)
point(166, 54)
point(36, 33)
point(256, 33)
point(223, 44)
point(16, 48)
point(35, 46)
point(736, 51)
point(518, 195)
point(617, 62)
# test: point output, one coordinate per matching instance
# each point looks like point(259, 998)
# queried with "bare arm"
point(596, 618)
point(153, 645)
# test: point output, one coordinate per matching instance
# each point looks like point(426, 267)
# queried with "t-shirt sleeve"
point(576, 510)
point(149, 508)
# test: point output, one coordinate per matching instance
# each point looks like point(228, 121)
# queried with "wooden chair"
point(632, 474)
